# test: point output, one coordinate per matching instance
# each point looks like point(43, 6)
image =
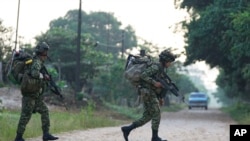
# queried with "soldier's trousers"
point(30, 105)
point(151, 109)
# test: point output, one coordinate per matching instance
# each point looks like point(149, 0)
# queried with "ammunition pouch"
point(30, 85)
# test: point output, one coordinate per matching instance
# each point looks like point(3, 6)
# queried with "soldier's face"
point(167, 64)
point(44, 56)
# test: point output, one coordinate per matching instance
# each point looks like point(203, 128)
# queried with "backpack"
point(135, 65)
point(18, 65)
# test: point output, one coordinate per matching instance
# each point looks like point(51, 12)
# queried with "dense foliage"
point(5, 40)
point(101, 41)
point(218, 33)
point(102, 65)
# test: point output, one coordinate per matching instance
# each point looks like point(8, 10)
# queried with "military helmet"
point(41, 48)
point(166, 56)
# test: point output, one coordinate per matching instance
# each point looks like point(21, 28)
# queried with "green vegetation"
point(236, 108)
point(130, 112)
point(175, 107)
point(102, 64)
point(239, 111)
point(218, 33)
point(136, 112)
point(101, 75)
point(1, 106)
point(61, 122)
point(1, 85)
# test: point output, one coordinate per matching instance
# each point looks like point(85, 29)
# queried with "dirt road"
point(186, 125)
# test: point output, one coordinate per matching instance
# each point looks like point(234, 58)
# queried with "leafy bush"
point(240, 112)
point(1, 85)
point(1, 106)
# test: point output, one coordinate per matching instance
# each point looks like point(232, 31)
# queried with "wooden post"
point(1, 73)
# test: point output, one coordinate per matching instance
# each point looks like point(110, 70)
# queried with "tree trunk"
point(1, 73)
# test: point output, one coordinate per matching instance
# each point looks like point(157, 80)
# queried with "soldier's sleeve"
point(147, 74)
point(35, 69)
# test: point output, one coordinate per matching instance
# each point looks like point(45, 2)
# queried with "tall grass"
point(239, 111)
point(60, 122)
point(129, 112)
point(174, 107)
point(136, 112)
point(67, 121)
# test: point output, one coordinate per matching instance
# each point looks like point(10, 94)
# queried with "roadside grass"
point(240, 112)
point(173, 107)
point(136, 112)
point(129, 112)
point(61, 121)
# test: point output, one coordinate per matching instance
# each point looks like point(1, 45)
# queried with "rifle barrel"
point(51, 83)
point(169, 86)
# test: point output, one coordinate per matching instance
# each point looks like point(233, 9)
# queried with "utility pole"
point(1, 74)
point(14, 50)
point(78, 53)
point(17, 23)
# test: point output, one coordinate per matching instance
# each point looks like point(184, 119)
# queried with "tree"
point(218, 34)
point(5, 48)
point(197, 5)
point(5, 41)
point(104, 28)
point(102, 67)
point(63, 52)
point(62, 38)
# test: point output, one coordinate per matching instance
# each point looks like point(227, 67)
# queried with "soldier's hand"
point(161, 101)
point(157, 84)
point(46, 77)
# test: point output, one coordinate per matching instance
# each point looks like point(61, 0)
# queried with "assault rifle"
point(169, 85)
point(51, 83)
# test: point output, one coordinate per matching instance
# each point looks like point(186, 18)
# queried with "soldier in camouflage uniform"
point(32, 102)
point(150, 92)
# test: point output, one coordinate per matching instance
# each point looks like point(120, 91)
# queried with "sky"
point(152, 20)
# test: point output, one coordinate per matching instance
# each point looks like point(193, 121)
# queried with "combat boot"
point(127, 129)
point(155, 136)
point(48, 136)
point(19, 137)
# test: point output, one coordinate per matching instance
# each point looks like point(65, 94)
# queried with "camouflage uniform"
point(32, 86)
point(33, 102)
point(150, 91)
point(150, 95)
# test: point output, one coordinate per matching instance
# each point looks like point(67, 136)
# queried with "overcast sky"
point(151, 19)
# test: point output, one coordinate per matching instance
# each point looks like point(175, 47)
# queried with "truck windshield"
point(197, 95)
